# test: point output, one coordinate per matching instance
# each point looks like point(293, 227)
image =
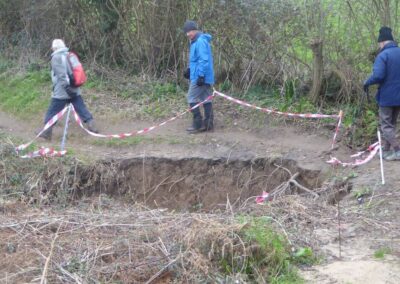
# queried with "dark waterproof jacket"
point(386, 73)
point(201, 59)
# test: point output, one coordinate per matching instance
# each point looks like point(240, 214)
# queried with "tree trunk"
point(386, 21)
point(318, 70)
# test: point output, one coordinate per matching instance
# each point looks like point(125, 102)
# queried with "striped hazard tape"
point(49, 124)
point(272, 111)
point(339, 116)
point(372, 151)
point(138, 132)
point(50, 152)
point(44, 152)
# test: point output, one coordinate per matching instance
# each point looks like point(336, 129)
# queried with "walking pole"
point(64, 138)
point(380, 154)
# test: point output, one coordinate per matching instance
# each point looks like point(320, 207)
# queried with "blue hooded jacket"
point(201, 61)
point(386, 73)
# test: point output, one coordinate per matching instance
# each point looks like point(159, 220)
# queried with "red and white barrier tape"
point(51, 152)
point(44, 152)
point(373, 150)
point(272, 111)
point(339, 116)
point(262, 198)
point(138, 132)
point(49, 124)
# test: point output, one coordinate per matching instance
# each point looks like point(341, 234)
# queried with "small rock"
point(11, 248)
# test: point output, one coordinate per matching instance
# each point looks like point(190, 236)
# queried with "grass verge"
point(25, 95)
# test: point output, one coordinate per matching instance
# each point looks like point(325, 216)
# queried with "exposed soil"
point(193, 183)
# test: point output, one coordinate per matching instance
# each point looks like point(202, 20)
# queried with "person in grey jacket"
point(63, 92)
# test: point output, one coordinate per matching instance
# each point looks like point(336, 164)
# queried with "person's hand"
point(200, 81)
point(71, 93)
point(186, 74)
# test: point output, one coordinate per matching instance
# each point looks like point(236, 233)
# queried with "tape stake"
point(340, 119)
point(381, 157)
point(49, 124)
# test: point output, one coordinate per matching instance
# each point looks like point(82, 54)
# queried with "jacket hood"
point(207, 37)
point(61, 50)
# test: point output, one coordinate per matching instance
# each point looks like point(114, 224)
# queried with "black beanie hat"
point(189, 26)
point(385, 34)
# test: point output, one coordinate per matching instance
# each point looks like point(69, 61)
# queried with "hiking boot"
point(386, 154)
point(91, 126)
point(47, 134)
point(208, 124)
point(197, 121)
point(192, 129)
point(394, 156)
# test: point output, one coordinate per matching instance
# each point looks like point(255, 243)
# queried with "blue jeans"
point(56, 105)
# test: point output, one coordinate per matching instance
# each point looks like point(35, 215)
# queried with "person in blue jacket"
point(386, 74)
point(201, 76)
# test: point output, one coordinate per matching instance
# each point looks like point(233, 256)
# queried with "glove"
point(365, 87)
point(200, 81)
point(186, 74)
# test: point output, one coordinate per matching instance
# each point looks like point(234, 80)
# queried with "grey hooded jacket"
point(59, 76)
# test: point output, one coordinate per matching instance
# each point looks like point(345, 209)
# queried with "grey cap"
point(189, 26)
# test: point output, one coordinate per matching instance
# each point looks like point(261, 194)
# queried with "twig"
point(339, 229)
point(156, 188)
point(295, 183)
point(230, 152)
point(43, 280)
point(143, 176)
point(155, 276)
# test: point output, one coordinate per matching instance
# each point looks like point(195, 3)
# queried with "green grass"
point(361, 192)
point(161, 99)
point(142, 139)
point(272, 260)
point(129, 141)
point(380, 253)
point(25, 95)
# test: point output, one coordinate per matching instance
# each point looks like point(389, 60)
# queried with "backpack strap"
point(66, 64)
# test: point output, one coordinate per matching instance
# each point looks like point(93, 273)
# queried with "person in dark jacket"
point(63, 92)
point(386, 74)
point(201, 76)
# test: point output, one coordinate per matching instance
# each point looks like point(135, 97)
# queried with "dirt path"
point(360, 238)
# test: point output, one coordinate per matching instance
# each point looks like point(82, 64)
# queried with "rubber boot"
point(47, 134)
point(386, 151)
point(208, 117)
point(197, 120)
point(92, 126)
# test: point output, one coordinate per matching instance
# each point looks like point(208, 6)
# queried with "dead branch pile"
point(132, 245)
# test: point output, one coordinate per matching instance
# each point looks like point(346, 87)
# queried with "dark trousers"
point(388, 120)
point(56, 105)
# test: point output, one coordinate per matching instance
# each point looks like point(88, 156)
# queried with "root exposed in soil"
point(196, 184)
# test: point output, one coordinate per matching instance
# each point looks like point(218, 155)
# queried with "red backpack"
point(77, 76)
